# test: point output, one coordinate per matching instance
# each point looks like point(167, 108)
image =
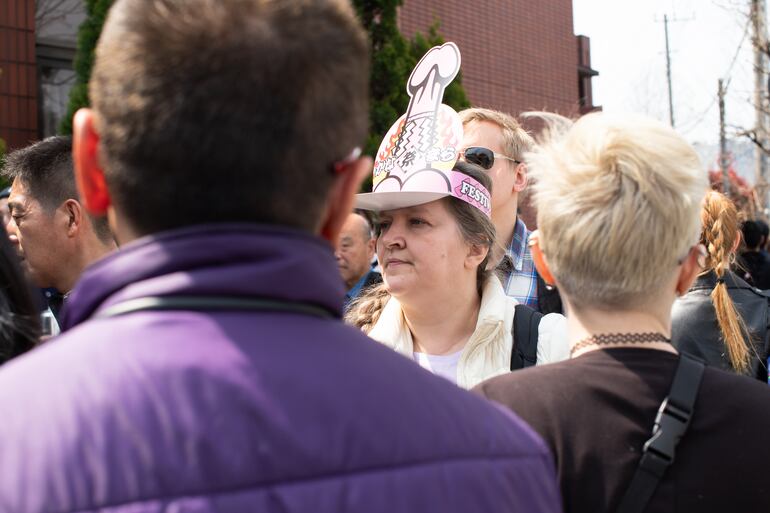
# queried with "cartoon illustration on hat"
point(414, 162)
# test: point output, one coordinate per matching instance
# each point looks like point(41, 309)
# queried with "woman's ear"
point(737, 243)
point(538, 258)
point(476, 255)
point(691, 268)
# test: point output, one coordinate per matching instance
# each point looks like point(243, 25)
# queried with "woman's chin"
point(398, 286)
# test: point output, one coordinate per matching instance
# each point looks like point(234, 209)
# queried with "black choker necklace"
point(618, 339)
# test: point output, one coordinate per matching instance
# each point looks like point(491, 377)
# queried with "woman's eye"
point(416, 222)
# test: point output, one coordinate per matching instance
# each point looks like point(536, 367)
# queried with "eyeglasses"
point(339, 166)
point(483, 157)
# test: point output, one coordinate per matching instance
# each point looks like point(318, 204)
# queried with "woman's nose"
point(392, 237)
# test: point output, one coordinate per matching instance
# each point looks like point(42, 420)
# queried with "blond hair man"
point(495, 141)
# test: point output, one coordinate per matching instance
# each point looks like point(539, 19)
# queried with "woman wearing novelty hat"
point(439, 304)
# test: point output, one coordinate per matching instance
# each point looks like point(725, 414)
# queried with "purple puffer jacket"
point(246, 411)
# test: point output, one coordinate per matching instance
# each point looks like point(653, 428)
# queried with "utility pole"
point(668, 66)
point(760, 98)
point(668, 73)
point(723, 141)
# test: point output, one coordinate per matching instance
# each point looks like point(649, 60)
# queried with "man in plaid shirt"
point(496, 142)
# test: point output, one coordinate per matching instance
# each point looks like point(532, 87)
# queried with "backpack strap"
point(671, 423)
point(526, 321)
point(213, 303)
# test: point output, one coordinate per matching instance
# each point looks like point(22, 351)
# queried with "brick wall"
point(517, 55)
point(18, 74)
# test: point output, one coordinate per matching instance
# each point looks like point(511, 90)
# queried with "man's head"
point(752, 235)
point(256, 105)
point(765, 230)
point(502, 134)
point(355, 249)
point(48, 225)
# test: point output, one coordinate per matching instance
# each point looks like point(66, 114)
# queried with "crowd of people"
point(200, 312)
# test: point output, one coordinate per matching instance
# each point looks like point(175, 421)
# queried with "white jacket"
point(488, 351)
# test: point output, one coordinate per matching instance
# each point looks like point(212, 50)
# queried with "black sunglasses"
point(483, 157)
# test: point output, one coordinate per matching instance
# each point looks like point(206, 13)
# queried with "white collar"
point(391, 328)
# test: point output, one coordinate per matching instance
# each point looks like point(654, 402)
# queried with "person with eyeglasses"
point(633, 424)
point(496, 142)
point(205, 366)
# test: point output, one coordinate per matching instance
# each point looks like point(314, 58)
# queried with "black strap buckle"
point(670, 424)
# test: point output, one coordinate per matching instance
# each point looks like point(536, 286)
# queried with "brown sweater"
point(597, 410)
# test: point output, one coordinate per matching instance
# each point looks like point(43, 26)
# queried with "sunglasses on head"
point(483, 157)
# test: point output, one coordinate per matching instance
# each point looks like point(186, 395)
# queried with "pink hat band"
point(471, 191)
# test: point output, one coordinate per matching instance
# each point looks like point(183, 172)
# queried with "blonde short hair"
point(618, 202)
point(516, 141)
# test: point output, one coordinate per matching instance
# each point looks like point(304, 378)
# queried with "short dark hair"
point(228, 110)
point(752, 234)
point(45, 169)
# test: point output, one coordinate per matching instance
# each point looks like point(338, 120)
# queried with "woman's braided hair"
point(719, 219)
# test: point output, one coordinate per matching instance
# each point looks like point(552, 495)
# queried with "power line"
point(727, 77)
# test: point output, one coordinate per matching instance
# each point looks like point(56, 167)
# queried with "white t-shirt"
point(441, 365)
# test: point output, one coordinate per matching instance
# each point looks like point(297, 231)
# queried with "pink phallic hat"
point(415, 160)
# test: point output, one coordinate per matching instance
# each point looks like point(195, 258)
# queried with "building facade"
point(37, 46)
point(517, 55)
point(18, 73)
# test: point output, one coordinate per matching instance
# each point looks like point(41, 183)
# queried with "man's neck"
point(505, 224)
point(443, 327)
point(89, 253)
point(504, 227)
point(352, 283)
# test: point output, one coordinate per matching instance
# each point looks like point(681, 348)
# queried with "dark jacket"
point(238, 411)
point(371, 278)
point(548, 298)
point(695, 329)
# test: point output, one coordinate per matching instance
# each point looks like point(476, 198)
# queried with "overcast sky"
point(628, 50)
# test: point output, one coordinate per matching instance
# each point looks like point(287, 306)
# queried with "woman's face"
point(421, 251)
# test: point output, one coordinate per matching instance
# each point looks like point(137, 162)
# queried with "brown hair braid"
point(719, 219)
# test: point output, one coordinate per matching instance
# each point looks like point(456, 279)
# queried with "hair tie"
point(720, 280)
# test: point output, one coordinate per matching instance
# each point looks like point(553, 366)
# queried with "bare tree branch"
point(49, 11)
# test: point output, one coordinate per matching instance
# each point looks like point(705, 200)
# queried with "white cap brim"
point(392, 200)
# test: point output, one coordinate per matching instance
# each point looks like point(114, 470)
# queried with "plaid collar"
point(518, 244)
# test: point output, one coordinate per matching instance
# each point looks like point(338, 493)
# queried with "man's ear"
point(89, 174)
point(371, 247)
point(74, 216)
point(520, 177)
point(690, 270)
point(339, 203)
